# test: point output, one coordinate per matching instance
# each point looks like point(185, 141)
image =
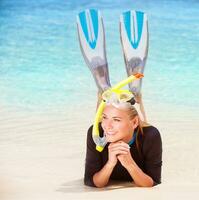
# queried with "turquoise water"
point(41, 64)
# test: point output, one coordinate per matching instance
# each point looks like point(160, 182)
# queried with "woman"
point(133, 151)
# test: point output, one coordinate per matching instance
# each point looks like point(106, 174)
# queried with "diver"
point(120, 144)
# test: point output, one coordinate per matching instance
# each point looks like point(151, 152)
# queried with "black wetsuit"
point(148, 157)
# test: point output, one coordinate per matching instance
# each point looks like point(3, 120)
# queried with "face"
point(117, 124)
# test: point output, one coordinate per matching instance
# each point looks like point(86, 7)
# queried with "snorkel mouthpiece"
point(100, 142)
point(122, 96)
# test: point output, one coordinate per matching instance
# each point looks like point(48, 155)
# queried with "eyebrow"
point(115, 117)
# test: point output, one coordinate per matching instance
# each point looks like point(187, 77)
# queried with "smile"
point(110, 133)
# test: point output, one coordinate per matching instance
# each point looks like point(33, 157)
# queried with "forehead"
point(112, 111)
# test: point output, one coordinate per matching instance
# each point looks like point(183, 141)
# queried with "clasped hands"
point(120, 151)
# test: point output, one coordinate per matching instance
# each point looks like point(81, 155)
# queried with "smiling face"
point(117, 124)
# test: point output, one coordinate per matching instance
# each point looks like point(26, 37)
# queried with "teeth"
point(110, 133)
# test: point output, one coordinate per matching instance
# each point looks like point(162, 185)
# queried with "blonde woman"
point(133, 151)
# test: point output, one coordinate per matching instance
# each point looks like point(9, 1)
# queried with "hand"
point(115, 149)
point(125, 158)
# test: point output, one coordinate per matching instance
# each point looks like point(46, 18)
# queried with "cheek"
point(121, 127)
point(124, 128)
point(104, 125)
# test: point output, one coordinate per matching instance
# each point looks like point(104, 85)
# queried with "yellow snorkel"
point(101, 141)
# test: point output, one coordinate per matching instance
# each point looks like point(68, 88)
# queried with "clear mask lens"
point(117, 96)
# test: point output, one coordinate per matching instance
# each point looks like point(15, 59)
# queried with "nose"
point(109, 124)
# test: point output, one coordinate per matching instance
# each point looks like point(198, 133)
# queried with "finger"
point(119, 152)
point(121, 156)
point(120, 148)
point(126, 149)
point(118, 144)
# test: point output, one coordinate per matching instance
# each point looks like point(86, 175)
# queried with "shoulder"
point(151, 132)
point(151, 137)
point(90, 130)
point(89, 136)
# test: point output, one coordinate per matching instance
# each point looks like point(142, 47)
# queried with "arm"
point(102, 177)
point(152, 155)
point(152, 151)
point(93, 161)
point(140, 178)
point(96, 174)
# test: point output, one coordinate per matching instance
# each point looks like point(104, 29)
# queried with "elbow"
point(148, 183)
point(99, 184)
point(93, 183)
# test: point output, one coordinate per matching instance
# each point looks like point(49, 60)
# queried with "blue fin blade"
point(134, 26)
point(89, 23)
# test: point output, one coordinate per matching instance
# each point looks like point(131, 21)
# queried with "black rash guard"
point(148, 157)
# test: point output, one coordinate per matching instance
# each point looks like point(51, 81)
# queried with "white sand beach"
point(42, 155)
point(42, 150)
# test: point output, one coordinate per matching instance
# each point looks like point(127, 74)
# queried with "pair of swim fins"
point(134, 39)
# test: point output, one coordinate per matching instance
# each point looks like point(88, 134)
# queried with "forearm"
point(101, 178)
point(140, 178)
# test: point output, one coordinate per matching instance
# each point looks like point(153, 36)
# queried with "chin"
point(111, 139)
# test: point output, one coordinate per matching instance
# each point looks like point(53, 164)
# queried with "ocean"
point(48, 96)
point(41, 65)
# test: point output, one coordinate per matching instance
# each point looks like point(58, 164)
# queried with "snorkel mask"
point(113, 95)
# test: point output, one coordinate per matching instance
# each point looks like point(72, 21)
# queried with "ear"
point(135, 122)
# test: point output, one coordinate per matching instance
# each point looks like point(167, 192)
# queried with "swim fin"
point(135, 39)
point(92, 43)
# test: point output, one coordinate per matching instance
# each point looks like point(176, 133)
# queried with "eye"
point(117, 120)
point(104, 117)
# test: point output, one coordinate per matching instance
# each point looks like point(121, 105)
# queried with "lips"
point(110, 133)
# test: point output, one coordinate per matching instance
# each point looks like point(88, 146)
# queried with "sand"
point(42, 155)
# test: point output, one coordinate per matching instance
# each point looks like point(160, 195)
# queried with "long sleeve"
point(152, 151)
point(93, 160)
